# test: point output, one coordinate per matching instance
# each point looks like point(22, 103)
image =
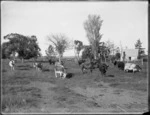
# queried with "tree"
point(87, 53)
point(78, 47)
point(60, 42)
point(92, 27)
point(104, 51)
point(138, 45)
point(117, 56)
point(26, 47)
point(110, 45)
point(50, 52)
point(5, 50)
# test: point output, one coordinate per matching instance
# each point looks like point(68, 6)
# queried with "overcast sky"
point(123, 22)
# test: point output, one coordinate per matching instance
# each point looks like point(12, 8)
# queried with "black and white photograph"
point(74, 57)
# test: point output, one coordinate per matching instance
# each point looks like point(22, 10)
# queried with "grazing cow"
point(132, 67)
point(12, 64)
point(38, 66)
point(59, 69)
point(85, 66)
point(103, 68)
point(51, 61)
point(120, 65)
point(81, 61)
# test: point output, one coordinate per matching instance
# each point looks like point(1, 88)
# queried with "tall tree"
point(138, 45)
point(78, 47)
point(92, 27)
point(60, 43)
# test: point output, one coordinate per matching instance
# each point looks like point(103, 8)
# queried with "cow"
point(51, 61)
point(12, 64)
point(121, 65)
point(59, 69)
point(103, 68)
point(85, 66)
point(38, 66)
point(132, 67)
point(81, 61)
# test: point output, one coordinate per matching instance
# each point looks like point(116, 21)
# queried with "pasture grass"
point(17, 93)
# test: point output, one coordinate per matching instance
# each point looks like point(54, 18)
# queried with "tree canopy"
point(60, 43)
point(26, 46)
point(78, 47)
point(138, 45)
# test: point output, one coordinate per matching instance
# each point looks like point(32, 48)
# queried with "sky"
point(123, 22)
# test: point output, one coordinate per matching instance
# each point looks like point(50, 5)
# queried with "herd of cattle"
point(85, 65)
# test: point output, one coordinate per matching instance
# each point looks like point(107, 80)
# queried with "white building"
point(130, 54)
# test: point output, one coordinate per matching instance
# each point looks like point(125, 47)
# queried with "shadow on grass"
point(109, 76)
point(23, 68)
point(69, 75)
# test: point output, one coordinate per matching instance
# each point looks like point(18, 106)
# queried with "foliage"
point(60, 42)
point(92, 27)
point(50, 51)
point(25, 46)
point(117, 56)
point(110, 45)
point(138, 45)
point(87, 52)
point(5, 50)
point(78, 47)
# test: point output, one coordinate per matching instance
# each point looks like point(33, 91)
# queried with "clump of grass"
point(15, 98)
point(10, 103)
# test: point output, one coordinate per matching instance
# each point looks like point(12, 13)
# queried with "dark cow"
point(103, 68)
point(121, 65)
point(81, 61)
point(51, 61)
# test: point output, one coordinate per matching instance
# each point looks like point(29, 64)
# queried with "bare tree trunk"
point(105, 58)
point(78, 56)
point(59, 58)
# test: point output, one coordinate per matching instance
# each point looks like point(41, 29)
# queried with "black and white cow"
point(60, 70)
point(38, 66)
point(12, 64)
point(132, 67)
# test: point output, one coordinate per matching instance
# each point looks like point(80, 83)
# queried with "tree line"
point(27, 46)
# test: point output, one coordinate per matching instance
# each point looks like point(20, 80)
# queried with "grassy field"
point(29, 91)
